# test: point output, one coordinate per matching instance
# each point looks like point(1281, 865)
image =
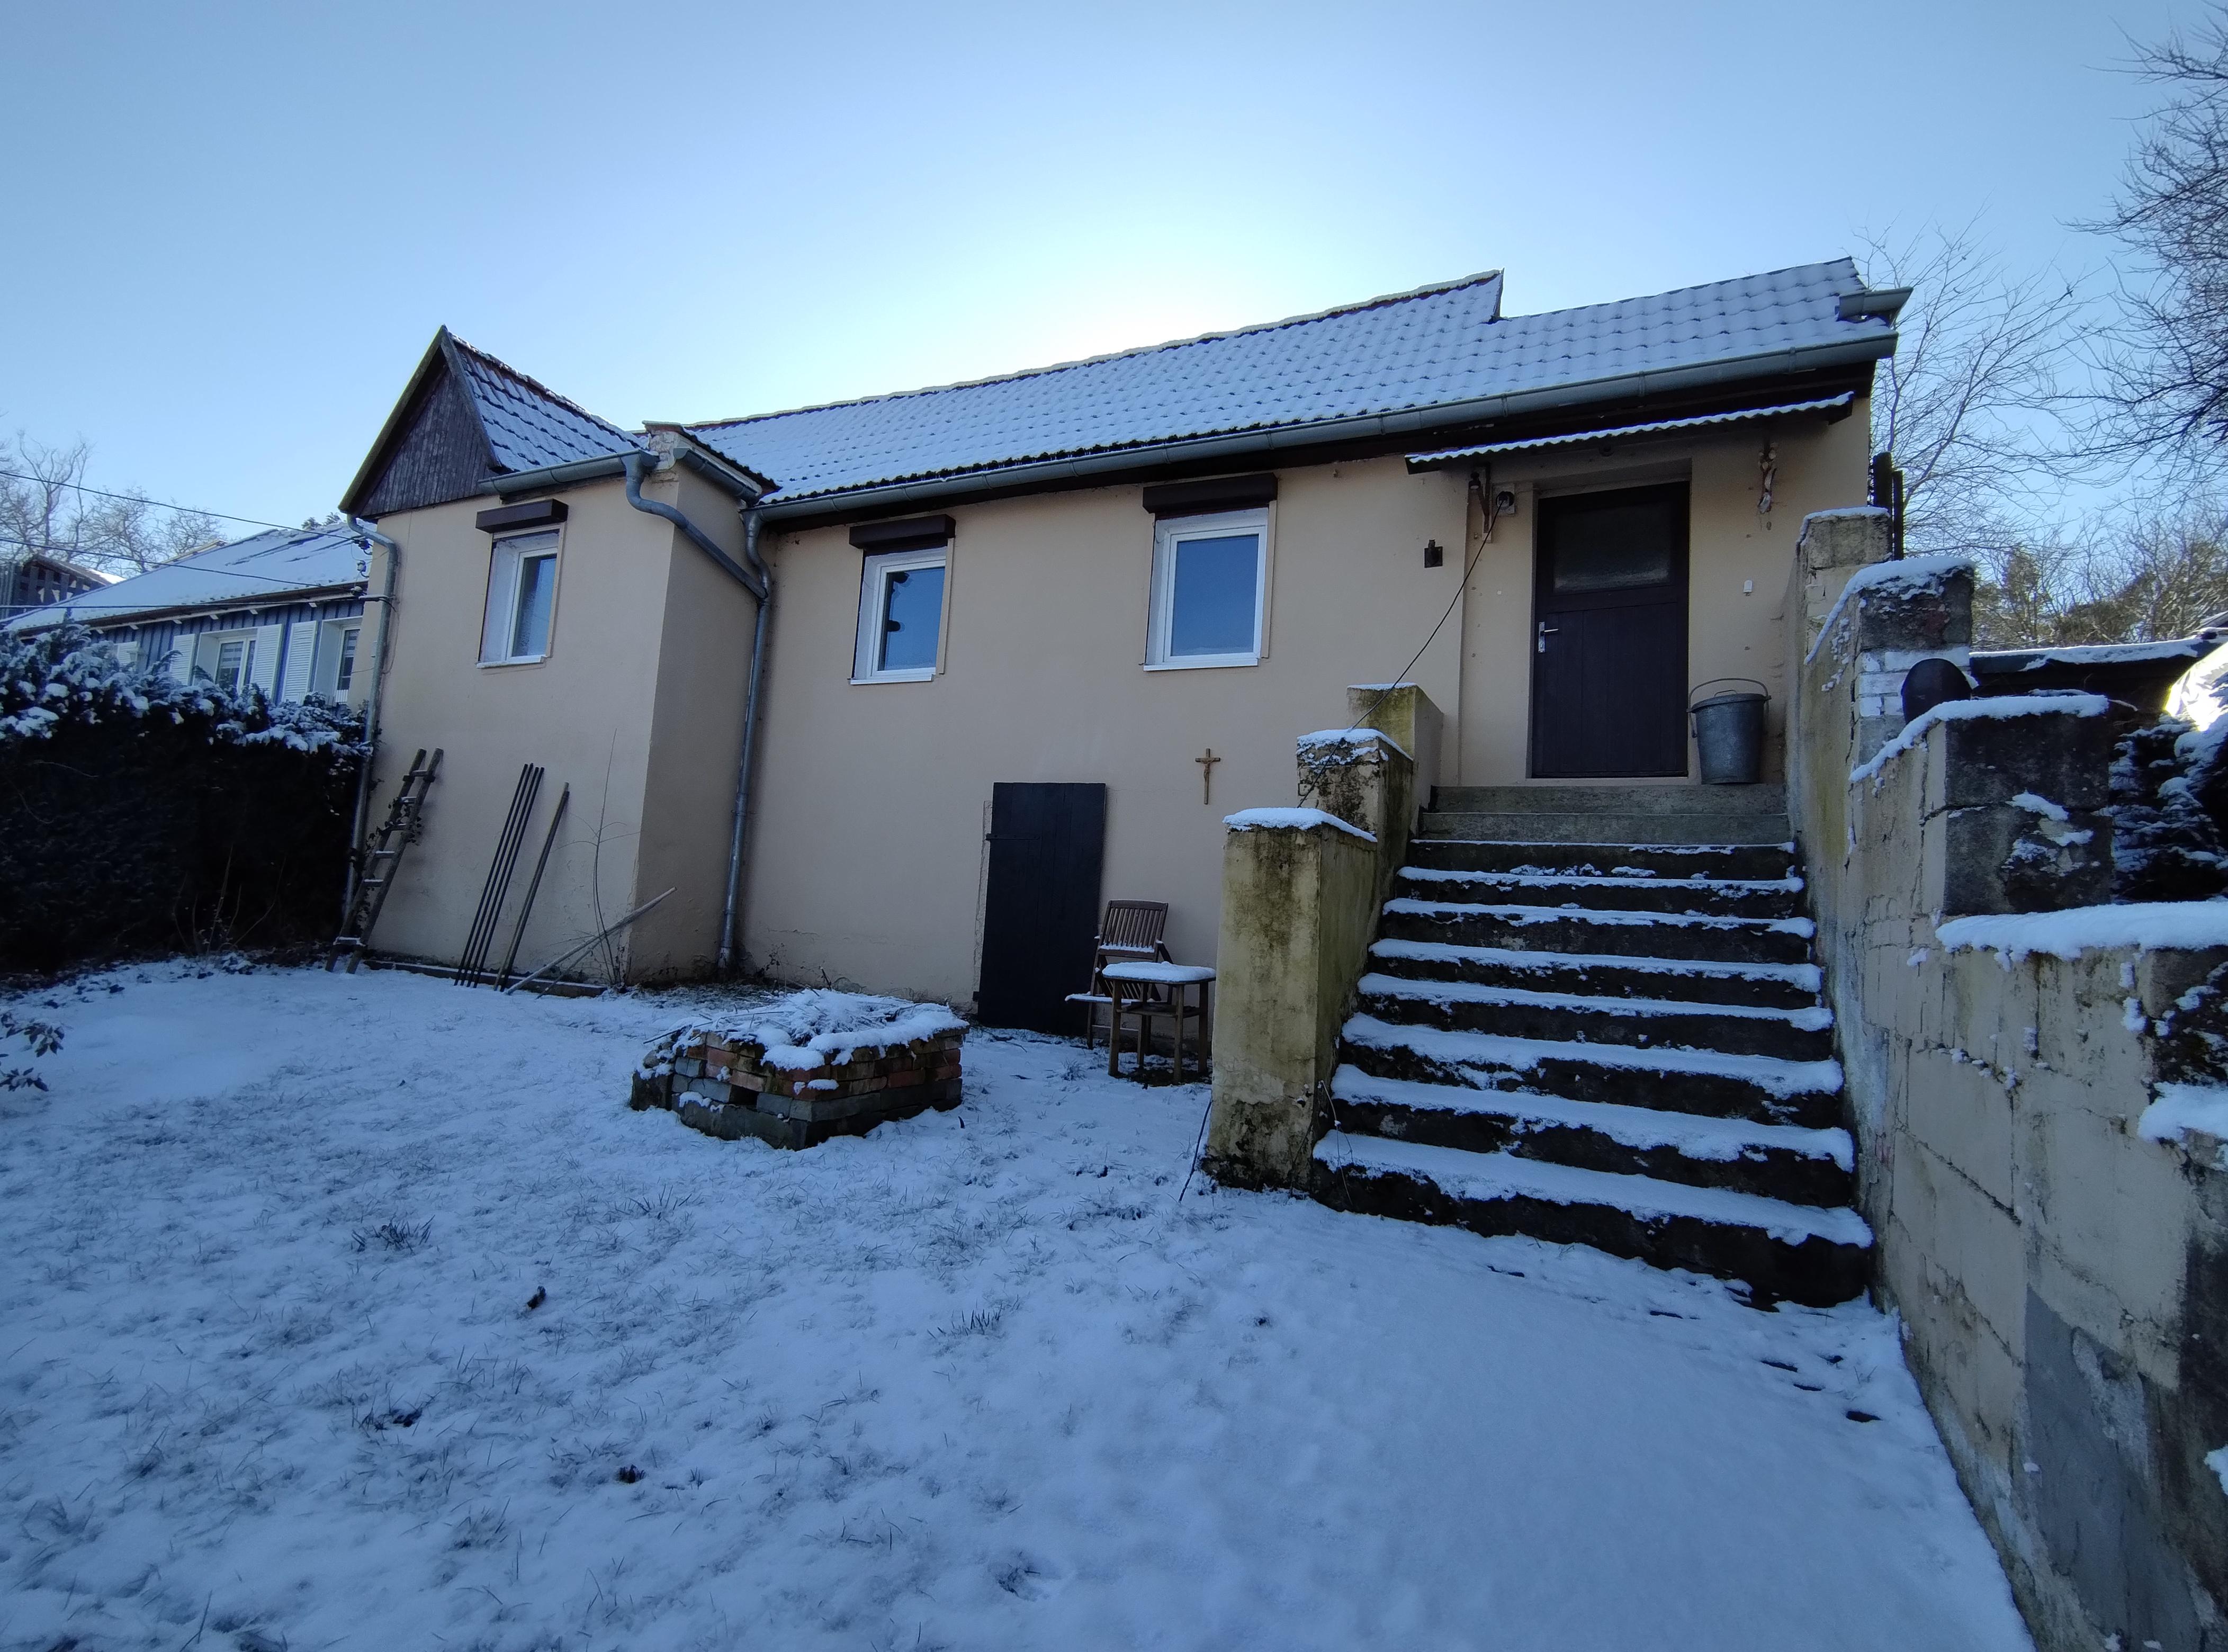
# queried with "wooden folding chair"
point(1131, 932)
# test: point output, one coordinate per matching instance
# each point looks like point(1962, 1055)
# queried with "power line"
point(141, 499)
point(228, 574)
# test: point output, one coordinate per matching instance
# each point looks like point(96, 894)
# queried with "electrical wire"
point(141, 499)
point(1468, 567)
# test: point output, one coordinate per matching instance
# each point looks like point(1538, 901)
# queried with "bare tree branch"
point(2165, 365)
point(44, 511)
point(1969, 402)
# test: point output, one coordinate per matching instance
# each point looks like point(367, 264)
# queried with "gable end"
point(439, 453)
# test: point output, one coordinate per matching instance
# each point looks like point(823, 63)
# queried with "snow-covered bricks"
point(798, 1070)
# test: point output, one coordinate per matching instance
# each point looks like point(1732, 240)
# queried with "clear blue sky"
point(237, 227)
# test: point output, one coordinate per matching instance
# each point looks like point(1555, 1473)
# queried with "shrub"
point(140, 813)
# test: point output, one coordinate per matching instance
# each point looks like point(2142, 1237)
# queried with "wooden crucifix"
point(1207, 775)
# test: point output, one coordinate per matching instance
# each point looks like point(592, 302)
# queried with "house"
point(1027, 641)
point(282, 609)
point(33, 578)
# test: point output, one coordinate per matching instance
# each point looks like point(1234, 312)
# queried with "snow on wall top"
point(529, 426)
point(818, 1026)
point(262, 570)
point(1435, 347)
point(1975, 710)
point(1918, 572)
point(1349, 738)
point(2035, 659)
point(1254, 820)
point(2147, 925)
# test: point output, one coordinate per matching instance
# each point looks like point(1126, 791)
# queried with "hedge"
point(139, 814)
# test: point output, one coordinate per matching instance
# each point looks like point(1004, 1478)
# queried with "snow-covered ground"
point(270, 1375)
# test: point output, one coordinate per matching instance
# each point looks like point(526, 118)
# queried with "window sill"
point(926, 674)
point(1204, 663)
point(523, 659)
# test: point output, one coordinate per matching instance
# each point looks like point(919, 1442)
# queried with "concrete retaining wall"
point(2061, 1277)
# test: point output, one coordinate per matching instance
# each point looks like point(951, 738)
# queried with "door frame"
point(1544, 507)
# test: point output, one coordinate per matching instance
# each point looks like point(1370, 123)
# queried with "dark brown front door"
point(1609, 659)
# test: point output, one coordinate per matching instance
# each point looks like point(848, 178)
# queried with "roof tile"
point(1438, 346)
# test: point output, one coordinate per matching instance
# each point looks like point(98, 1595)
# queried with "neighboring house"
point(1091, 576)
point(33, 579)
point(283, 611)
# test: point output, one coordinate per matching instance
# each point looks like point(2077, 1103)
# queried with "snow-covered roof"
point(262, 570)
point(1440, 346)
point(529, 426)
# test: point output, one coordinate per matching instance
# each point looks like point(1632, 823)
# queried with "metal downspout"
point(638, 464)
point(731, 918)
point(366, 531)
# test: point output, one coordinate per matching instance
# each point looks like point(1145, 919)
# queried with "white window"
point(1210, 590)
point(345, 676)
point(235, 662)
point(522, 599)
point(901, 616)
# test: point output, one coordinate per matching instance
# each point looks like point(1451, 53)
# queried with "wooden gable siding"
point(441, 454)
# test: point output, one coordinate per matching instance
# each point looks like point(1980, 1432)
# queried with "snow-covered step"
point(1764, 1088)
point(1724, 897)
point(1537, 925)
point(1765, 861)
point(1787, 986)
point(1794, 1034)
point(1804, 1253)
point(1810, 1167)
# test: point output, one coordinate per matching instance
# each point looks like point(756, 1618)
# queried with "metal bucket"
point(1729, 732)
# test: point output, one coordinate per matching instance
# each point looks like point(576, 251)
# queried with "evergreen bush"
point(138, 813)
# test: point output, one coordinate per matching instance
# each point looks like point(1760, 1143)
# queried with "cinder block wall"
point(2062, 1280)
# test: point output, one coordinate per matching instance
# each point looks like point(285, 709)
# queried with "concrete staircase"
point(1620, 1044)
point(1598, 814)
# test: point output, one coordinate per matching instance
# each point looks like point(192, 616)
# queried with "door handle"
point(1546, 631)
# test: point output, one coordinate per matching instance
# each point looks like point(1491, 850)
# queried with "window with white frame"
point(522, 599)
point(235, 663)
point(901, 616)
point(1210, 588)
point(344, 672)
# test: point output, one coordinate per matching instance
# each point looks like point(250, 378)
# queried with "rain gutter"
point(757, 579)
point(367, 533)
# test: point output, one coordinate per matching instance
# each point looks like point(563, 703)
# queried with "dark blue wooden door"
point(1609, 660)
point(1040, 911)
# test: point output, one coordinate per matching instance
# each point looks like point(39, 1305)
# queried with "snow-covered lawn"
point(270, 1375)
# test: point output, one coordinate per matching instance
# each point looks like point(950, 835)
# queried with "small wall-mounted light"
point(1435, 554)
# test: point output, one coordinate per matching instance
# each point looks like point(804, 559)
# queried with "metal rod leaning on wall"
point(482, 936)
point(533, 887)
point(592, 940)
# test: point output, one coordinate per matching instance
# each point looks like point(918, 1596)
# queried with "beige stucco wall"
point(1730, 631)
point(866, 858)
point(637, 706)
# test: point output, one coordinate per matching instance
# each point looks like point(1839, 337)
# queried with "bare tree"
point(1968, 403)
point(45, 509)
point(2165, 367)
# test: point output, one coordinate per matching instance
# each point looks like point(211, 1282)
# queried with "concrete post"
point(1405, 713)
point(1299, 903)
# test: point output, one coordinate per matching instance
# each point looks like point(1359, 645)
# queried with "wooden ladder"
point(383, 858)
